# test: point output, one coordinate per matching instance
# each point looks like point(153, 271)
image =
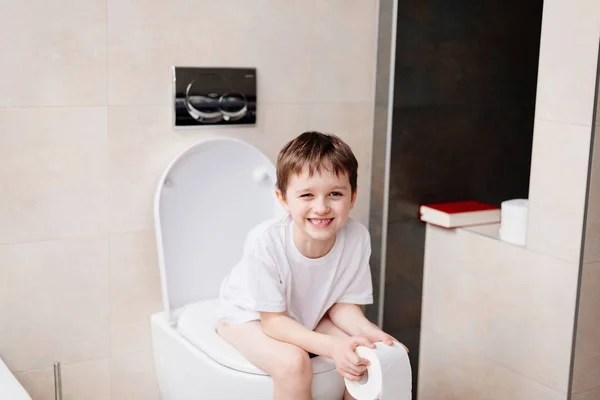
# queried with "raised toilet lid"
point(197, 324)
point(207, 200)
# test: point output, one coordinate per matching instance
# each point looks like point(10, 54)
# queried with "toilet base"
point(184, 372)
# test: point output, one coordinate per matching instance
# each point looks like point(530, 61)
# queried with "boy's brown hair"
point(316, 151)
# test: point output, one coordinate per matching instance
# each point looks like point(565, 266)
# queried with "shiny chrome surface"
point(214, 96)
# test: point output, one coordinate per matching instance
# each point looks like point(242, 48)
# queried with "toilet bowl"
point(207, 200)
point(10, 388)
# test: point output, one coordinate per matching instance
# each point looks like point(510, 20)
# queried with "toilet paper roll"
point(513, 221)
point(387, 378)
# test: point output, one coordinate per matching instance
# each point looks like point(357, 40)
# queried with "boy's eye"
point(336, 194)
point(306, 195)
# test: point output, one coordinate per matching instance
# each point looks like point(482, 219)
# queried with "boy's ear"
point(353, 198)
point(281, 199)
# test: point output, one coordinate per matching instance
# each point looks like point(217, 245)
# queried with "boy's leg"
point(327, 327)
point(288, 365)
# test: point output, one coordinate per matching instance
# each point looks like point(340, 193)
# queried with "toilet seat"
point(197, 323)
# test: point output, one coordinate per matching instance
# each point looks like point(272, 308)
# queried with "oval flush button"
point(261, 176)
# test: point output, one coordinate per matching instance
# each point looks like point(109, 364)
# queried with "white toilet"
point(207, 200)
point(10, 387)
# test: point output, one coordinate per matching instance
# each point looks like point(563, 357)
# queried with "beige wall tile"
point(512, 305)
point(39, 383)
point(557, 189)
point(592, 232)
point(353, 123)
point(589, 395)
point(568, 61)
point(54, 173)
point(133, 377)
point(135, 291)
point(97, 173)
point(279, 124)
point(53, 57)
point(54, 303)
point(344, 47)
point(273, 36)
point(80, 381)
point(449, 370)
point(586, 374)
point(142, 143)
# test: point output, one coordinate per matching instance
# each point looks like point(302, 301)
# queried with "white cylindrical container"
point(513, 221)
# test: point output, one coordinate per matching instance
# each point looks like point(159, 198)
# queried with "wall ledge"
point(491, 231)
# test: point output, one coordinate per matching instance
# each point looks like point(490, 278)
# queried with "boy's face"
point(319, 204)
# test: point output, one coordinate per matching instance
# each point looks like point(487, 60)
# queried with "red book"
point(460, 213)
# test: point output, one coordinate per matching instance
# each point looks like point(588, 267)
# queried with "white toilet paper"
point(513, 221)
point(387, 378)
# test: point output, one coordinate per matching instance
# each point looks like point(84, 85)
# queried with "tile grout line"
point(277, 103)
point(474, 353)
point(86, 236)
point(564, 122)
point(24, 371)
point(520, 247)
point(106, 43)
point(108, 206)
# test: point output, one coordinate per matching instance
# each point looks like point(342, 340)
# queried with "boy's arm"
point(281, 327)
point(350, 319)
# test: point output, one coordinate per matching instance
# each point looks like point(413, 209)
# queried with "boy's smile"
point(319, 206)
point(320, 222)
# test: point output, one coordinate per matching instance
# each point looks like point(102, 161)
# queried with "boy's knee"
point(295, 365)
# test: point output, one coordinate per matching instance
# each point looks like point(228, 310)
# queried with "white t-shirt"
point(273, 276)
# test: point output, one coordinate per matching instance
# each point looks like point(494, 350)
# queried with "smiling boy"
point(301, 281)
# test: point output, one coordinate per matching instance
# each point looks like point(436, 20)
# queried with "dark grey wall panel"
point(464, 87)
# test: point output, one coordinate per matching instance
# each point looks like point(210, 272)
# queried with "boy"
point(301, 281)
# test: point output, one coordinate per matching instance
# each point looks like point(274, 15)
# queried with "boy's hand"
point(374, 334)
point(348, 364)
